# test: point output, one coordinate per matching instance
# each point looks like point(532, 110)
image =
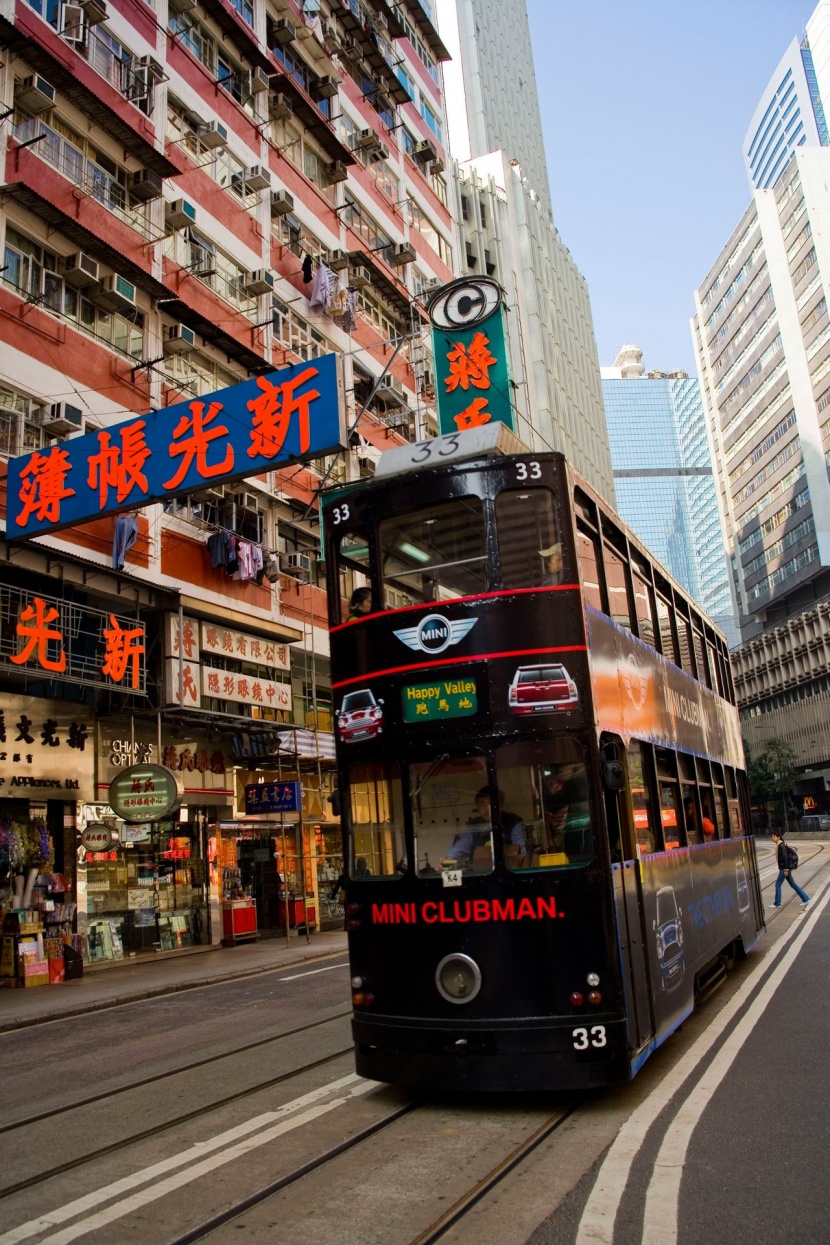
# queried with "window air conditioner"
point(260, 80)
point(359, 277)
point(430, 286)
point(279, 106)
point(284, 32)
point(326, 87)
point(367, 140)
point(436, 167)
point(296, 562)
point(213, 134)
point(115, 293)
point(34, 94)
point(337, 171)
point(61, 418)
point(178, 213)
point(425, 150)
point(247, 501)
point(95, 11)
point(257, 177)
point(339, 261)
point(178, 338)
point(281, 202)
point(146, 185)
point(80, 270)
point(381, 152)
point(403, 253)
point(259, 282)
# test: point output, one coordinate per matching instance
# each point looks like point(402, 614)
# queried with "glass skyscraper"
point(663, 479)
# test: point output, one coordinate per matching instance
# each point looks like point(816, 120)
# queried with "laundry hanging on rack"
point(219, 546)
point(307, 269)
point(123, 539)
point(344, 309)
point(322, 291)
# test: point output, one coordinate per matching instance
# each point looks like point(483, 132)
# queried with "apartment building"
point(196, 193)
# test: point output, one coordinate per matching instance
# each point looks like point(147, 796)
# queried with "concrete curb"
point(70, 1011)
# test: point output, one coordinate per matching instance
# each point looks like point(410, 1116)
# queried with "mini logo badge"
point(435, 633)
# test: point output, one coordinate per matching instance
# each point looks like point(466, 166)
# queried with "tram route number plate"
point(451, 877)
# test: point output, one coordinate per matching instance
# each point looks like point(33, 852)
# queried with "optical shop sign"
point(236, 432)
point(189, 674)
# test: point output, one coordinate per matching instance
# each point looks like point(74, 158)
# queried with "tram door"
point(628, 900)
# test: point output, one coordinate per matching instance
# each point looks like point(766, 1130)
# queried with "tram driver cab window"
point(451, 818)
point(546, 785)
point(436, 553)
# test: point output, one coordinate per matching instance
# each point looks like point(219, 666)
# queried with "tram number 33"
point(528, 471)
point(583, 1038)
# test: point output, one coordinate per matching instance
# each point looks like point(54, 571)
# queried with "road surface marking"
point(308, 1109)
point(663, 1197)
point(312, 971)
point(596, 1226)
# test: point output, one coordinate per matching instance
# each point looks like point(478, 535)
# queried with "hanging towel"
point(321, 290)
point(307, 266)
point(123, 539)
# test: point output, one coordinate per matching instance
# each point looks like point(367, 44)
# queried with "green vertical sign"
point(469, 343)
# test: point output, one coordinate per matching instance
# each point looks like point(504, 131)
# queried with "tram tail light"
point(595, 998)
point(353, 909)
point(577, 998)
point(353, 925)
point(361, 999)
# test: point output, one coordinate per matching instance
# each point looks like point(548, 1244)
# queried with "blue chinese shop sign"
point(472, 378)
point(241, 431)
point(273, 797)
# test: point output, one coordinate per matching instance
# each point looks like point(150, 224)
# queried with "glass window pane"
point(376, 822)
point(670, 815)
point(530, 554)
point(684, 635)
point(642, 604)
point(708, 814)
point(664, 613)
point(646, 828)
point(544, 809)
point(452, 828)
point(435, 554)
point(616, 575)
point(703, 672)
point(693, 834)
point(587, 552)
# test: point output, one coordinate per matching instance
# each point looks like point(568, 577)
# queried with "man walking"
point(785, 872)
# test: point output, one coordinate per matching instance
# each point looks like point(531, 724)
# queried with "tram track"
point(160, 1127)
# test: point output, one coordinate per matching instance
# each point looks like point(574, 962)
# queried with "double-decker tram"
point(541, 776)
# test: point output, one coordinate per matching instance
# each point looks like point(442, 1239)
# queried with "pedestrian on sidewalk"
point(785, 872)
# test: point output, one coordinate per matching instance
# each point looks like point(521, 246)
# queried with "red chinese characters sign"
point(80, 644)
point(237, 432)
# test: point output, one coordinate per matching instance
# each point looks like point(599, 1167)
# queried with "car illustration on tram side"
point(669, 930)
point(542, 689)
point(359, 717)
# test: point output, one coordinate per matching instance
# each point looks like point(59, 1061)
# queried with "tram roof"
point(493, 438)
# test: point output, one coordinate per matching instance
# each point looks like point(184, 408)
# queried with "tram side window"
point(664, 621)
point(670, 813)
point(452, 809)
point(721, 801)
point(352, 562)
point(703, 672)
point(688, 794)
point(708, 815)
point(735, 821)
point(644, 609)
point(587, 547)
point(376, 821)
point(616, 579)
point(646, 827)
point(684, 636)
point(545, 785)
point(529, 539)
point(435, 553)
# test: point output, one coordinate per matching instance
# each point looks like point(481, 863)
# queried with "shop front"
point(153, 887)
point(269, 864)
point(47, 763)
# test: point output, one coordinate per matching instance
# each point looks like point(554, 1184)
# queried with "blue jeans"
point(779, 882)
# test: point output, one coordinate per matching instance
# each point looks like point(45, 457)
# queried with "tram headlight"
point(357, 983)
point(458, 978)
point(593, 980)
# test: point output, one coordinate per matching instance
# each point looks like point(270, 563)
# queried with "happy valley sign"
point(241, 431)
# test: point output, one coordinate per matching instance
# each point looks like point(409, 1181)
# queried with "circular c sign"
point(144, 793)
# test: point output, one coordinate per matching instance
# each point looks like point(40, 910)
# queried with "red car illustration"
point(359, 717)
point(542, 689)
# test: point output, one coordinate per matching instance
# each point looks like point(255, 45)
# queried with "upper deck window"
point(530, 553)
point(434, 554)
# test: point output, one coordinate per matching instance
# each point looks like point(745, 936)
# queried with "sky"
point(645, 107)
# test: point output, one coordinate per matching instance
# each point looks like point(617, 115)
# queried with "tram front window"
point(545, 783)
point(451, 817)
point(376, 821)
point(436, 553)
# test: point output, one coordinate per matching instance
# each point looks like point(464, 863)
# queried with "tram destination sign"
point(243, 430)
point(433, 702)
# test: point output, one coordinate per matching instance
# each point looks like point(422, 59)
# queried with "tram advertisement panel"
point(463, 662)
point(639, 694)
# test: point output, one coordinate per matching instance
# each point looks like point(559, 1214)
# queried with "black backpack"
point(792, 856)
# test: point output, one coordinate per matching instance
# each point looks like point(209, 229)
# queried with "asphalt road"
point(141, 1122)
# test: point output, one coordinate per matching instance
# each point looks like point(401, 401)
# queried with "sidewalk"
point(129, 980)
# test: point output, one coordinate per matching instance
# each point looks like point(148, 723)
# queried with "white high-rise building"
point(507, 232)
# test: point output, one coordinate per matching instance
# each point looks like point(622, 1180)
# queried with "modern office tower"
point(790, 115)
point(663, 478)
point(175, 183)
point(507, 231)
